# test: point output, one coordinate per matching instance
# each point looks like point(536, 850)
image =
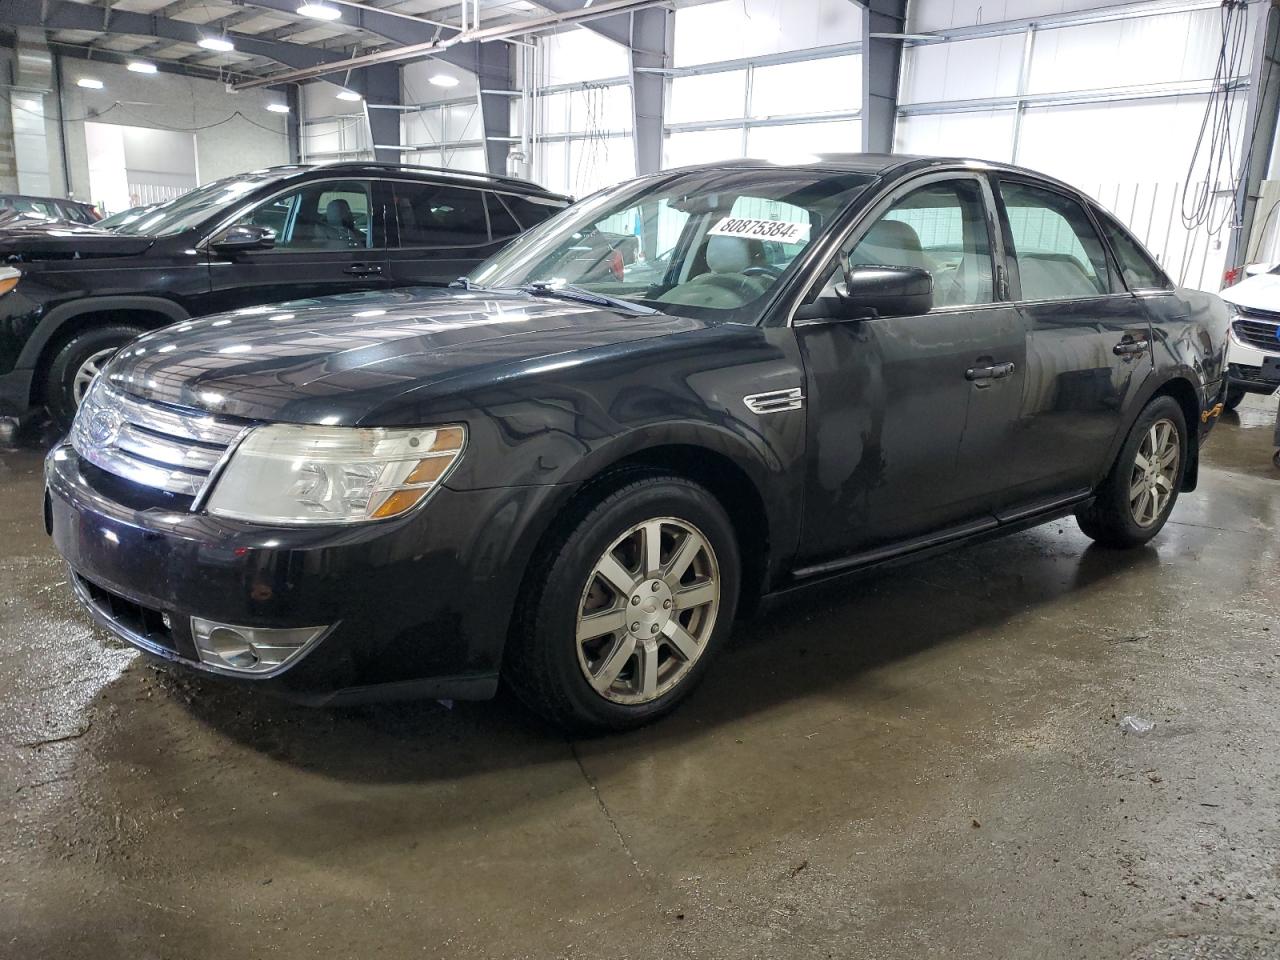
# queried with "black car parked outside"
point(48, 208)
point(70, 295)
point(575, 480)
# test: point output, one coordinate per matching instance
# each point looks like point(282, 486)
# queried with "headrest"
point(338, 213)
point(890, 243)
point(728, 254)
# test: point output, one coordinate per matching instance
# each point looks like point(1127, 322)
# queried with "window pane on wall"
point(554, 108)
point(713, 96)
point(462, 122)
point(578, 54)
point(732, 29)
point(551, 169)
point(1159, 49)
point(600, 108)
point(701, 146)
point(600, 162)
point(829, 84)
point(793, 139)
point(962, 69)
point(983, 135)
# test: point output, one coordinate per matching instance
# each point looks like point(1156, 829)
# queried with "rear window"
point(1139, 270)
point(530, 212)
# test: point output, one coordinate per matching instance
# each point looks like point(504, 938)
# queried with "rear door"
point(443, 230)
point(329, 239)
point(1087, 345)
point(906, 414)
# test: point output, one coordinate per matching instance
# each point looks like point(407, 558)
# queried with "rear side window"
point(530, 213)
point(502, 224)
point(1139, 270)
point(437, 215)
point(1058, 252)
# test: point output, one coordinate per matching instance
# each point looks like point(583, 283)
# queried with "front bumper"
point(1244, 363)
point(414, 607)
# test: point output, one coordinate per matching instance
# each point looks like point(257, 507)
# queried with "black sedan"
point(572, 475)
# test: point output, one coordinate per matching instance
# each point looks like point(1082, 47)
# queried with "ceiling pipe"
point(596, 10)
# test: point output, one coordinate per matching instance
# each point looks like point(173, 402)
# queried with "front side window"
point(437, 215)
point(331, 215)
point(1058, 253)
point(714, 244)
point(940, 228)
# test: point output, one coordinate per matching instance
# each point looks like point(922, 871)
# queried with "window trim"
point(203, 243)
point(871, 213)
point(1101, 217)
point(1014, 273)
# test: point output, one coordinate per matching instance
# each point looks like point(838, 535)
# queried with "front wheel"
point(626, 607)
point(1134, 501)
point(77, 362)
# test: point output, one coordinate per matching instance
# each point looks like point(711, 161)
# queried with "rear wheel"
point(1134, 501)
point(1233, 398)
point(629, 604)
point(77, 362)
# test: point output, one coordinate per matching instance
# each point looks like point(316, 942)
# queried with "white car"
point(1255, 332)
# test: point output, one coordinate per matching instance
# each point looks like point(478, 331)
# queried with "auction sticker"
point(781, 231)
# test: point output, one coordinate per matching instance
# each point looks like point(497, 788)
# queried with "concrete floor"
point(928, 763)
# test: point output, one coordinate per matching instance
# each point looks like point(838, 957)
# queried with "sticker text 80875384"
point(780, 231)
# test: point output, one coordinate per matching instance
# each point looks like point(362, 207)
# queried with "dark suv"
point(47, 208)
point(574, 474)
point(70, 295)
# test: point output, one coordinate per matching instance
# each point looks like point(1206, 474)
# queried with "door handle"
point(997, 371)
point(1128, 347)
point(363, 270)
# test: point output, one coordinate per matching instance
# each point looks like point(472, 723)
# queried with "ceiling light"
point(219, 44)
point(141, 66)
point(278, 107)
point(349, 95)
point(89, 83)
point(320, 11)
point(443, 80)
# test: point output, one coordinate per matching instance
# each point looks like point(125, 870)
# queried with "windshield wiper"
point(567, 291)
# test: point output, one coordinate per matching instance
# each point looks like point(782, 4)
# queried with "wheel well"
point(727, 482)
point(148, 319)
point(1184, 393)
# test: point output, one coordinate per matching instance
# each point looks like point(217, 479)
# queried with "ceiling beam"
point(65, 15)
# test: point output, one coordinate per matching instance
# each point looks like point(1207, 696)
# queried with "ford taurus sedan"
point(571, 470)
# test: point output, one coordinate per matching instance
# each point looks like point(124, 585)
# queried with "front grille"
point(174, 449)
point(1258, 332)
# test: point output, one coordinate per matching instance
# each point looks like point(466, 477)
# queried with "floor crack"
point(604, 808)
point(74, 735)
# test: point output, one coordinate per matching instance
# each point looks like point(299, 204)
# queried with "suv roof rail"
point(421, 168)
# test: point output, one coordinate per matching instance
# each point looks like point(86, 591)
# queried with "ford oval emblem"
point(103, 427)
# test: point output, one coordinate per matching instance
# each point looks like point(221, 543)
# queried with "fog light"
point(250, 650)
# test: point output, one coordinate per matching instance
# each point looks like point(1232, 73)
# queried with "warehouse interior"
point(931, 761)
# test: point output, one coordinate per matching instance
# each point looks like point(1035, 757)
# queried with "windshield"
point(712, 244)
point(191, 209)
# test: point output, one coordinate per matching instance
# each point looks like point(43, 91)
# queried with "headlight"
point(288, 474)
point(9, 277)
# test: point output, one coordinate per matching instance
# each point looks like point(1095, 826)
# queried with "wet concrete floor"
point(927, 763)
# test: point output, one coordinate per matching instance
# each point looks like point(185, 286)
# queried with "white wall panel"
point(711, 96)
point(733, 29)
point(924, 15)
point(577, 55)
point(701, 146)
point(962, 70)
point(829, 84)
point(984, 135)
point(793, 141)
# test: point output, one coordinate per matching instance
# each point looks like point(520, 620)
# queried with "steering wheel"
point(763, 270)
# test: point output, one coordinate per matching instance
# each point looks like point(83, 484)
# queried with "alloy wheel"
point(1155, 468)
point(648, 610)
point(88, 370)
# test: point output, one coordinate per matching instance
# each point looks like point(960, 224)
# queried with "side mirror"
point(243, 236)
point(869, 293)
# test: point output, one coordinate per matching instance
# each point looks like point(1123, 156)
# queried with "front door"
point(329, 239)
point(906, 414)
point(1088, 346)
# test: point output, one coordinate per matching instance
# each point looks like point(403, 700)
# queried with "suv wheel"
point(1135, 499)
point(639, 590)
point(76, 364)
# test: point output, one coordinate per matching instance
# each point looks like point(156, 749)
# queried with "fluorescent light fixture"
point(349, 95)
point(218, 44)
point(141, 66)
point(443, 80)
point(320, 11)
point(278, 107)
point(89, 83)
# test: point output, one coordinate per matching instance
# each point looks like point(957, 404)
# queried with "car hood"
point(1259, 292)
point(28, 240)
point(339, 360)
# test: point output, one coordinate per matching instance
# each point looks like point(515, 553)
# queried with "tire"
point(643, 666)
point(1115, 518)
point(93, 345)
point(1234, 396)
